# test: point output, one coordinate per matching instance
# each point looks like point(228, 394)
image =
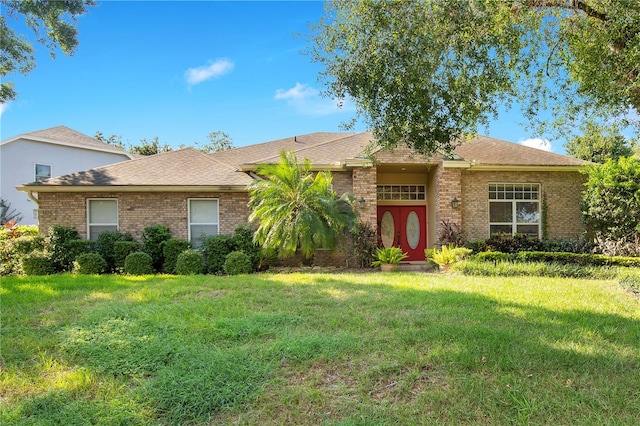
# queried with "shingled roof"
point(487, 151)
point(223, 170)
point(186, 167)
point(63, 135)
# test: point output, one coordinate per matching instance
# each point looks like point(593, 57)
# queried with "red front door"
point(404, 227)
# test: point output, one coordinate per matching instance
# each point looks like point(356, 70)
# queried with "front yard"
point(318, 349)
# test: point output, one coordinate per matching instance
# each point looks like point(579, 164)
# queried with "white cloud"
point(3, 108)
point(538, 143)
point(307, 100)
point(297, 93)
point(207, 72)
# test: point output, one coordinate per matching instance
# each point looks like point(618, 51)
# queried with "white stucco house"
point(39, 155)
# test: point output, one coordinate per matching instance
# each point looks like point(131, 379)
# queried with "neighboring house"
point(485, 186)
point(35, 156)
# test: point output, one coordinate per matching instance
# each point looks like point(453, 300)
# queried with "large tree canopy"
point(52, 23)
point(599, 144)
point(429, 72)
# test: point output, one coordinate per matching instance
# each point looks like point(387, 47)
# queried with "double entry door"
point(404, 227)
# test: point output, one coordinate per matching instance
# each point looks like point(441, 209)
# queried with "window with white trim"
point(514, 208)
point(102, 215)
point(42, 172)
point(203, 219)
point(401, 192)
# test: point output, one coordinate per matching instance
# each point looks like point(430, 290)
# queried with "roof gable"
point(185, 167)
point(269, 152)
point(62, 135)
point(483, 150)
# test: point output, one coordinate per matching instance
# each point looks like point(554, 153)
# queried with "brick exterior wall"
point(563, 191)
point(448, 187)
point(364, 186)
point(342, 182)
point(137, 210)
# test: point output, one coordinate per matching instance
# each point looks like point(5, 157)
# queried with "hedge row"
point(62, 250)
point(562, 258)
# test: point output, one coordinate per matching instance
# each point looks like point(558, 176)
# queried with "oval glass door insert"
point(387, 229)
point(413, 230)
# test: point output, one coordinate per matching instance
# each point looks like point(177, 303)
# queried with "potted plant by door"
point(388, 258)
point(447, 256)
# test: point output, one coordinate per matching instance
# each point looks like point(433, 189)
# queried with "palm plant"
point(295, 208)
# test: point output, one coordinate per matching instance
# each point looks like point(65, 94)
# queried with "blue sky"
point(179, 70)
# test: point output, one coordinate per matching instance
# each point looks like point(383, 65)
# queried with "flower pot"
point(444, 268)
point(388, 267)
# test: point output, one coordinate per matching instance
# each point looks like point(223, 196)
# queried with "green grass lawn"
point(344, 349)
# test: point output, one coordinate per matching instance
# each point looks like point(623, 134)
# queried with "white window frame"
point(35, 171)
point(89, 224)
point(189, 223)
point(514, 201)
point(416, 192)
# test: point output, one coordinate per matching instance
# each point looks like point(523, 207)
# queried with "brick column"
point(364, 186)
point(448, 186)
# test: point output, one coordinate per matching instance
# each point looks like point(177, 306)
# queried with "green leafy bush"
point(190, 263)
point(538, 269)
point(236, 263)
point(78, 247)
point(449, 254)
point(122, 249)
point(477, 246)
point(507, 243)
point(242, 240)
point(58, 240)
point(138, 263)
point(153, 239)
point(215, 250)
point(493, 256)
point(89, 264)
point(365, 243)
point(105, 246)
point(26, 244)
point(389, 255)
point(171, 250)
point(37, 263)
point(578, 259)
point(611, 205)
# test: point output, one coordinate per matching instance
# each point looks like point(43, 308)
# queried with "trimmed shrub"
point(507, 243)
point(122, 249)
point(138, 263)
point(236, 263)
point(215, 250)
point(578, 259)
point(493, 256)
point(89, 264)
point(78, 247)
point(243, 241)
point(539, 269)
point(580, 245)
point(190, 263)
point(477, 246)
point(37, 263)
point(26, 244)
point(171, 250)
point(58, 245)
point(153, 239)
point(105, 246)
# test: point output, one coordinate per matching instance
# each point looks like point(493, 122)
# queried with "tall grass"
point(318, 349)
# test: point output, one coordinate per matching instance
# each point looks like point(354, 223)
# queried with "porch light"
point(455, 203)
point(361, 202)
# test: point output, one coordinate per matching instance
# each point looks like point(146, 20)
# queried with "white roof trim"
point(70, 144)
